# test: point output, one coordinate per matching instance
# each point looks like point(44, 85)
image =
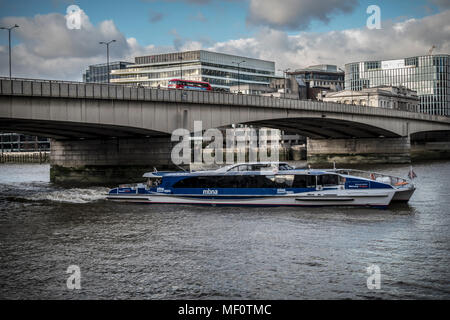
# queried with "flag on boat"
point(412, 174)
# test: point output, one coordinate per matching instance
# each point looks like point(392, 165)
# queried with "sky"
point(293, 33)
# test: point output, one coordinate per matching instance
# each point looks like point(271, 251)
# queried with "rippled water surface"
point(130, 251)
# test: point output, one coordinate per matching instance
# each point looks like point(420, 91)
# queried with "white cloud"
point(394, 40)
point(47, 49)
point(295, 14)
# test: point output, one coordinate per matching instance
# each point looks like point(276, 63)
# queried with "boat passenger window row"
point(285, 166)
point(304, 181)
point(152, 182)
point(257, 181)
point(251, 167)
point(327, 180)
point(227, 182)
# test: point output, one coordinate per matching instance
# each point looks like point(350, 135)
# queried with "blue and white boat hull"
point(256, 184)
point(375, 198)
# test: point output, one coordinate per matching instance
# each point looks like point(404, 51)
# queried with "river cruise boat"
point(265, 184)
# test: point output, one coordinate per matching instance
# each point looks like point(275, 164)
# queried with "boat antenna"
point(334, 165)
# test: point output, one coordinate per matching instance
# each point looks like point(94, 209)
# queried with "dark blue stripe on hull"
point(259, 205)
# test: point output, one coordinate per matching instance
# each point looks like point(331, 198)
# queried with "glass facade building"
point(220, 70)
point(98, 73)
point(427, 75)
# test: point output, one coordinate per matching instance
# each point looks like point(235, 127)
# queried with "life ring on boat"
point(372, 176)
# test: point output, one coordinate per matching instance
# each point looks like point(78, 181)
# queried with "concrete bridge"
point(114, 132)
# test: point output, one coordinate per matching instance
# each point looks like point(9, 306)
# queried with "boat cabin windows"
point(251, 167)
point(260, 167)
point(282, 181)
point(249, 181)
point(328, 180)
point(153, 182)
point(285, 166)
point(242, 167)
point(304, 181)
point(310, 181)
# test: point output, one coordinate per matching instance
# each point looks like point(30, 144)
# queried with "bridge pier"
point(107, 161)
point(358, 150)
point(430, 146)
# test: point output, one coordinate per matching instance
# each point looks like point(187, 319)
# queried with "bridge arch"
point(325, 128)
point(75, 130)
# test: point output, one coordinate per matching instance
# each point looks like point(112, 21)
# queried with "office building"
point(221, 70)
point(427, 75)
point(98, 73)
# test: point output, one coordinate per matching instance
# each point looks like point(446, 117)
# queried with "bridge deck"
point(80, 90)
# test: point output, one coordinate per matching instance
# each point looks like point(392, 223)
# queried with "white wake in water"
point(74, 195)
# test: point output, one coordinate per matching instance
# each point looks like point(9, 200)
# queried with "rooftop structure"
point(221, 70)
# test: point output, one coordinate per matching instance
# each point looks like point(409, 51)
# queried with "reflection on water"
point(169, 252)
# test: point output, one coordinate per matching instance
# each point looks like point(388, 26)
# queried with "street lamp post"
point(9, 41)
point(180, 57)
point(239, 75)
point(107, 53)
point(285, 72)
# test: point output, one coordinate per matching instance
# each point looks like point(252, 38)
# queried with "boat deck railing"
point(376, 176)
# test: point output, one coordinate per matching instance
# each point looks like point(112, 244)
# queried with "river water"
point(131, 251)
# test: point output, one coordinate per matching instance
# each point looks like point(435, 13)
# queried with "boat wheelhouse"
point(404, 188)
point(258, 184)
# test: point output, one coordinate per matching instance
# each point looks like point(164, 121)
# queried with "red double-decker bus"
point(189, 84)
